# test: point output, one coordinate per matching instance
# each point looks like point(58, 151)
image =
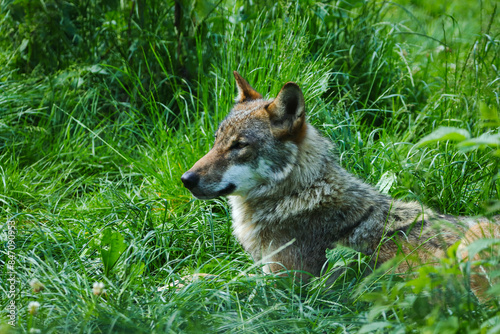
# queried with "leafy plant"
point(111, 245)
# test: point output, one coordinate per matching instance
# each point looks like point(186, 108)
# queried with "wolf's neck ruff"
point(316, 197)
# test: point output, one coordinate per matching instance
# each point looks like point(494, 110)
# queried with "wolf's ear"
point(245, 91)
point(287, 113)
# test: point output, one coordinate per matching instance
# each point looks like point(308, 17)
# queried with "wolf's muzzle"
point(190, 180)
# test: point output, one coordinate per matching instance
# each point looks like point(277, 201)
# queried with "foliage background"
point(104, 104)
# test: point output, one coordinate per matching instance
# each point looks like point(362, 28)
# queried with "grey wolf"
point(285, 186)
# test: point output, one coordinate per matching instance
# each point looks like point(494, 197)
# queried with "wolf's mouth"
point(202, 195)
point(228, 190)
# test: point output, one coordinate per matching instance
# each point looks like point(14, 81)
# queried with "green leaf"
point(494, 330)
point(486, 139)
point(386, 181)
point(202, 9)
point(447, 325)
point(374, 326)
point(112, 247)
point(24, 45)
point(444, 133)
point(489, 115)
point(96, 69)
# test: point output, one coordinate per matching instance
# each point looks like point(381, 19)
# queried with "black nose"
point(190, 180)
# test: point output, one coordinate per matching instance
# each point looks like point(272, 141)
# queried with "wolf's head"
point(256, 145)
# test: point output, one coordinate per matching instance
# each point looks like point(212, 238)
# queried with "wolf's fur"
point(283, 184)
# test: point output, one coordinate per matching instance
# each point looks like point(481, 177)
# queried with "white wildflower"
point(33, 307)
point(98, 288)
point(440, 48)
point(36, 285)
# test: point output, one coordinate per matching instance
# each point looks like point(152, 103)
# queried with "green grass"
point(95, 135)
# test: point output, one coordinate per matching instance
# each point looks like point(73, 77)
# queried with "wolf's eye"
point(238, 145)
